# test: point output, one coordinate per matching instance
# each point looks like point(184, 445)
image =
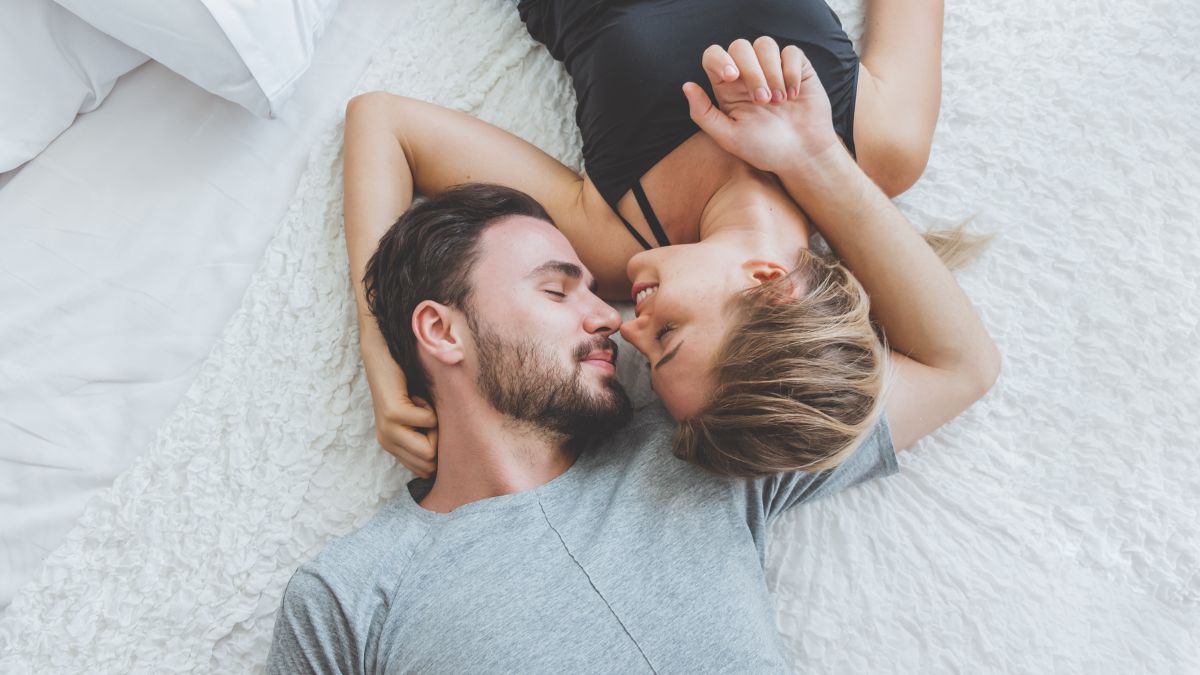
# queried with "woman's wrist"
point(826, 175)
point(828, 164)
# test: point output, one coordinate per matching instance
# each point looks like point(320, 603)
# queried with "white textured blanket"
point(1052, 528)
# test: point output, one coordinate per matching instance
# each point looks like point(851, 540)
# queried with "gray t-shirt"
point(631, 561)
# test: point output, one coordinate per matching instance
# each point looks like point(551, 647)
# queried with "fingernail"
point(777, 96)
point(730, 73)
point(793, 92)
point(762, 95)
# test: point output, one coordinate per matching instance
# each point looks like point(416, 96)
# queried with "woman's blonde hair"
point(799, 380)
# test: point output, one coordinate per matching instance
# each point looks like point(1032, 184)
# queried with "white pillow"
point(53, 66)
point(250, 52)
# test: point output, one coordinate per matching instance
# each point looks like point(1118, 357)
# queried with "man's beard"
point(523, 379)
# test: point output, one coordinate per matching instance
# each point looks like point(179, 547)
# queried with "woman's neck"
point(752, 208)
point(718, 186)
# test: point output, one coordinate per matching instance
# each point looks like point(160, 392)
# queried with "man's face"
point(541, 334)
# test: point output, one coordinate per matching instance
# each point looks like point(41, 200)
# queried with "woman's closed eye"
point(662, 332)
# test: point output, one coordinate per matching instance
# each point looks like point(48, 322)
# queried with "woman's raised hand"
point(771, 109)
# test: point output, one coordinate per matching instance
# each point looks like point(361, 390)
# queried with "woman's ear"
point(761, 272)
point(437, 333)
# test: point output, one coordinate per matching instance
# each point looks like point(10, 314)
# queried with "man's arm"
point(311, 634)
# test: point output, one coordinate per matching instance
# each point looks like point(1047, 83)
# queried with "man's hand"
point(407, 429)
point(772, 111)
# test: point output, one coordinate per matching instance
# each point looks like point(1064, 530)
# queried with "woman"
point(764, 352)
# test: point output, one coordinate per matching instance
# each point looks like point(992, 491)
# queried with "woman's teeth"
point(645, 293)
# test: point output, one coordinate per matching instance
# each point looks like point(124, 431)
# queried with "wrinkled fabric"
point(630, 561)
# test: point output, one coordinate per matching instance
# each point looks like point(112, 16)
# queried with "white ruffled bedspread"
point(1052, 528)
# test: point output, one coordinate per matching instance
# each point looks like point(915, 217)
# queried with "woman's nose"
point(632, 330)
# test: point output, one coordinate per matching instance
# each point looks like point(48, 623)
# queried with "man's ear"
point(438, 335)
point(760, 272)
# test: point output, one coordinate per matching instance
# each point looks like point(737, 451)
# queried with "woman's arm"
point(441, 148)
point(944, 359)
point(393, 147)
point(378, 187)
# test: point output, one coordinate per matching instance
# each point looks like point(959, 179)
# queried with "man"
point(541, 545)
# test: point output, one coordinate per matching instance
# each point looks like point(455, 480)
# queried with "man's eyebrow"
point(562, 267)
point(670, 355)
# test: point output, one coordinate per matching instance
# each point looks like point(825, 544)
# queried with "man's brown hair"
point(428, 254)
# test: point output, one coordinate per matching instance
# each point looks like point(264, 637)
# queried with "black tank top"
point(628, 60)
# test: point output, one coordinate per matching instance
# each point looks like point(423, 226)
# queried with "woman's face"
point(681, 293)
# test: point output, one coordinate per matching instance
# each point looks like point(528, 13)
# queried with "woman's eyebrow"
point(670, 355)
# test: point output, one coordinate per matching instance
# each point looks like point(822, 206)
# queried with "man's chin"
point(609, 410)
point(607, 387)
point(616, 400)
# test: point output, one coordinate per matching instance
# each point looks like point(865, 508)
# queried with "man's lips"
point(600, 359)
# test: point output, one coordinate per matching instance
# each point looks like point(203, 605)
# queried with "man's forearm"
point(922, 309)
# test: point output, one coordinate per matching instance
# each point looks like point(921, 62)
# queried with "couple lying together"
point(549, 528)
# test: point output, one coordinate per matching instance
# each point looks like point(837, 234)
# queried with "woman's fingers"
point(767, 52)
point(769, 74)
point(402, 433)
point(719, 65)
point(412, 413)
point(426, 419)
point(746, 60)
point(795, 63)
point(411, 448)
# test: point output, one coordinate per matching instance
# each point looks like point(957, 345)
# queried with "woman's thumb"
point(706, 115)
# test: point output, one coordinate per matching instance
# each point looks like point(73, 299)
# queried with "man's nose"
point(604, 319)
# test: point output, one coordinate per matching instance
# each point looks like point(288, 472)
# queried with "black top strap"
point(632, 230)
point(655, 226)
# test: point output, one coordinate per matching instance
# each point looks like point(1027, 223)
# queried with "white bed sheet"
point(124, 249)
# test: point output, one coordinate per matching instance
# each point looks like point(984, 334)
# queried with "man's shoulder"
point(330, 602)
point(377, 550)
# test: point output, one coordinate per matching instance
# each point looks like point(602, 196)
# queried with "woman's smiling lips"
point(641, 291)
point(638, 288)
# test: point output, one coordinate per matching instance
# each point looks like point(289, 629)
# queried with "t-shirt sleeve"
point(873, 458)
point(311, 633)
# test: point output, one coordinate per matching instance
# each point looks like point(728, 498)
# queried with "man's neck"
point(483, 454)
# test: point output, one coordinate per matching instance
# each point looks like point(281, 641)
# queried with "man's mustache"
point(597, 344)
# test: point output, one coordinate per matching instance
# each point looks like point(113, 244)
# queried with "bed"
point(124, 249)
point(1054, 527)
